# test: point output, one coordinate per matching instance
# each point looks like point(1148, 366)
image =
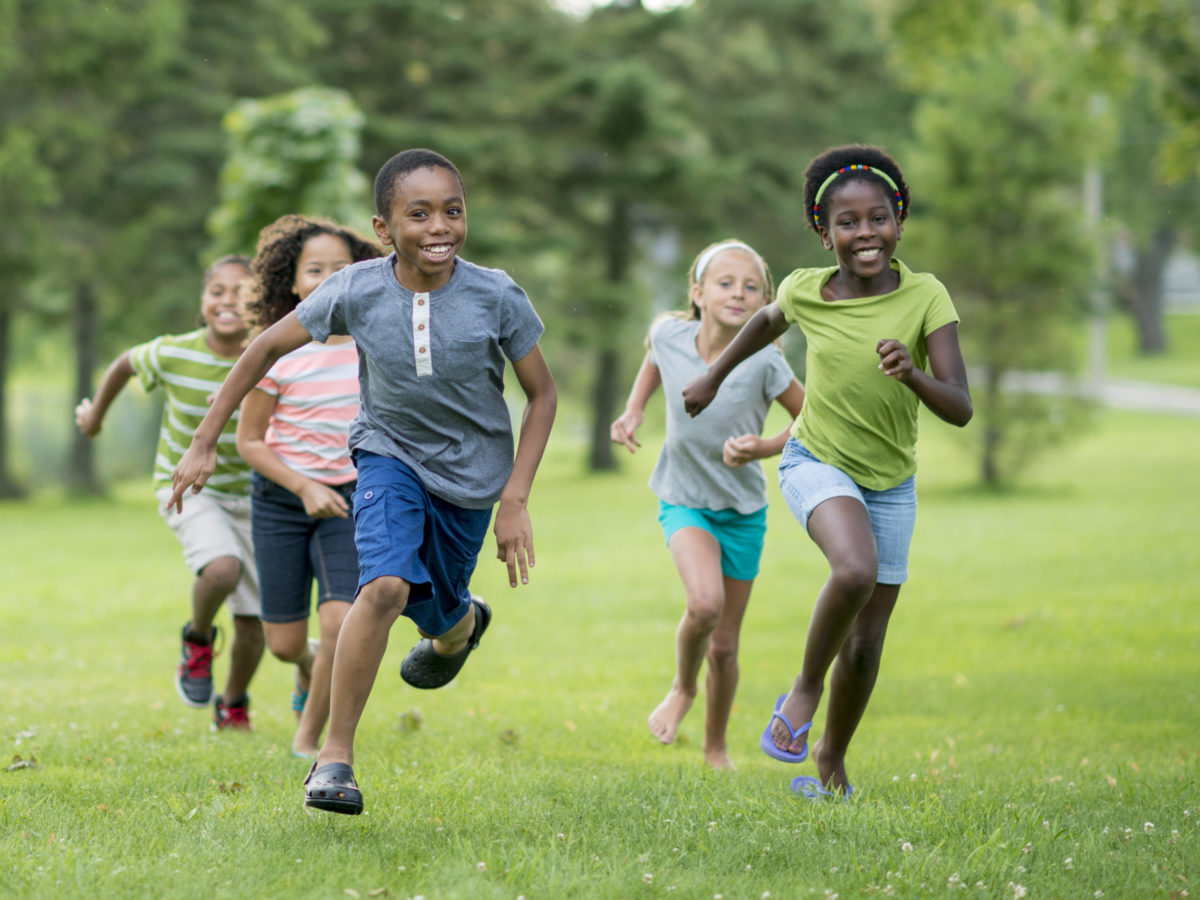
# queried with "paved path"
point(1118, 393)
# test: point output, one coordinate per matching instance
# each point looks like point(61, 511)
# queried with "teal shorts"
point(740, 535)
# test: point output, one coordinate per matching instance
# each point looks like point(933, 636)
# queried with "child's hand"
point(622, 430)
point(740, 450)
point(86, 418)
point(697, 394)
point(323, 502)
point(198, 463)
point(514, 539)
point(895, 360)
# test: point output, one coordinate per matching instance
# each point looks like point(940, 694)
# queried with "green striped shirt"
point(190, 372)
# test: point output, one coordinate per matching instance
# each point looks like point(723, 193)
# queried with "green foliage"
point(291, 153)
point(1033, 723)
point(997, 215)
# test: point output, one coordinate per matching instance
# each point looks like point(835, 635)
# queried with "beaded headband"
point(859, 167)
point(707, 256)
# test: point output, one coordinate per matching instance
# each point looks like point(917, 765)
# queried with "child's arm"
point(740, 450)
point(89, 414)
point(513, 530)
point(648, 380)
point(200, 460)
point(945, 392)
point(320, 501)
point(764, 326)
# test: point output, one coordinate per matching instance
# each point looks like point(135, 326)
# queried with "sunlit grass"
point(1034, 726)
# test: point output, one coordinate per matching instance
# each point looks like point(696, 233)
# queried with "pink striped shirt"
point(316, 398)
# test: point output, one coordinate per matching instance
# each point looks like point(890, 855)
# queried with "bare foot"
point(664, 721)
point(305, 752)
point(832, 772)
point(719, 759)
point(797, 709)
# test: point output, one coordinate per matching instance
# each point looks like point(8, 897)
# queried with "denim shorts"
point(740, 535)
point(402, 530)
point(211, 526)
point(806, 482)
point(293, 549)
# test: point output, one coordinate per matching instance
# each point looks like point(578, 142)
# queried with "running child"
point(214, 533)
point(432, 441)
point(882, 340)
point(293, 431)
point(711, 488)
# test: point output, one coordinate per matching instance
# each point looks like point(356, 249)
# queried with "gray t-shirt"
point(690, 471)
point(431, 370)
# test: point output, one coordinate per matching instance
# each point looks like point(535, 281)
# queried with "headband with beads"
point(860, 167)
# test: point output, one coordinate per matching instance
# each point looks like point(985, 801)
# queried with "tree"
point(997, 215)
point(291, 153)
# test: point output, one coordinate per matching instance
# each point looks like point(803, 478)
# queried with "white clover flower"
point(1069, 863)
point(1098, 894)
point(1149, 827)
point(1028, 848)
point(647, 877)
point(906, 847)
point(481, 865)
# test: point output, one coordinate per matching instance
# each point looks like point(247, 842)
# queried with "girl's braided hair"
point(279, 247)
point(859, 162)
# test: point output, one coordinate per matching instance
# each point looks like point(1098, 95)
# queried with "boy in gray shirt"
point(432, 441)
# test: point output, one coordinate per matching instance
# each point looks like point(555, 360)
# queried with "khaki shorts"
point(213, 526)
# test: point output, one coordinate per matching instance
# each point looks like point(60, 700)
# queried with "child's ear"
point(826, 242)
point(379, 224)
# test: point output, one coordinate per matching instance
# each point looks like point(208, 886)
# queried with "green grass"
point(1180, 364)
point(1035, 724)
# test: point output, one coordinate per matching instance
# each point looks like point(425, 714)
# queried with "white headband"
point(707, 256)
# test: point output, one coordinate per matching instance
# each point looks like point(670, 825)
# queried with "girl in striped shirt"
point(215, 533)
point(293, 431)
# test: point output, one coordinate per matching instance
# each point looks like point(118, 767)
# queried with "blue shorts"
point(740, 535)
point(402, 530)
point(806, 483)
point(293, 548)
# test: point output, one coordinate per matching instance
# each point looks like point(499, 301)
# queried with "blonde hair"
point(700, 265)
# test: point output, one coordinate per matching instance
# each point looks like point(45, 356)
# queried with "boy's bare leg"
point(722, 678)
point(244, 655)
point(212, 585)
point(330, 616)
point(697, 557)
point(454, 640)
point(841, 528)
point(360, 647)
point(850, 685)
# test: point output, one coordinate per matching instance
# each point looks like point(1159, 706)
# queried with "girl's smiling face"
point(320, 257)
point(221, 305)
point(426, 226)
point(861, 229)
point(731, 288)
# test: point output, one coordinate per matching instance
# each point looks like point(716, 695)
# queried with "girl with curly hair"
point(293, 431)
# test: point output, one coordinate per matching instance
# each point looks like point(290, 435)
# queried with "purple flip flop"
point(768, 744)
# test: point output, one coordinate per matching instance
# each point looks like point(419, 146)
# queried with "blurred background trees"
point(602, 147)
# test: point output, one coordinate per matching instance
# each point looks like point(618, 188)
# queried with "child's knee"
point(722, 652)
point(384, 597)
point(248, 631)
point(286, 644)
point(222, 573)
point(856, 577)
point(704, 609)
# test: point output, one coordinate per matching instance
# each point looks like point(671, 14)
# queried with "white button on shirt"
point(420, 321)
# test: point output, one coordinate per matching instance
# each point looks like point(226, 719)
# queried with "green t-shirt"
point(855, 417)
point(189, 372)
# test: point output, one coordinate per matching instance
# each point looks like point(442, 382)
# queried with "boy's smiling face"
point(426, 226)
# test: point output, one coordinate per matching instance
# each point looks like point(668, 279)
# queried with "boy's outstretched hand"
point(514, 540)
point(198, 463)
point(86, 419)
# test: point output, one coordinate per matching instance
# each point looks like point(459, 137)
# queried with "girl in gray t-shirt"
point(711, 488)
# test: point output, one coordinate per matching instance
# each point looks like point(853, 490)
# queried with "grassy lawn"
point(1034, 729)
point(1179, 365)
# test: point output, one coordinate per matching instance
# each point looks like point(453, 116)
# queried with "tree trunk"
point(9, 488)
point(993, 433)
point(606, 390)
point(1146, 291)
point(81, 475)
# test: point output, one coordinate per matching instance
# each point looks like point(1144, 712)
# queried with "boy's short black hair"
point(825, 164)
point(401, 164)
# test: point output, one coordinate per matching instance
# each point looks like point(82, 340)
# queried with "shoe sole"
point(194, 704)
